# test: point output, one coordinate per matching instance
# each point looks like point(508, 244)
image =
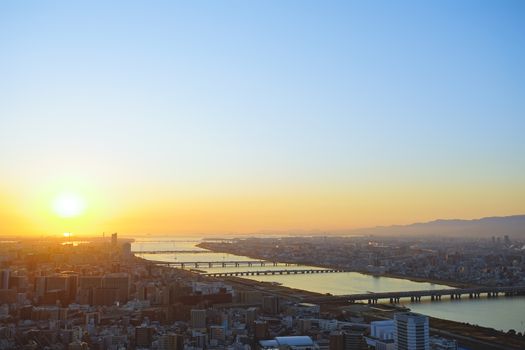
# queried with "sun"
point(68, 205)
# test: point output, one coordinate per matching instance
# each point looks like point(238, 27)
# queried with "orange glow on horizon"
point(300, 209)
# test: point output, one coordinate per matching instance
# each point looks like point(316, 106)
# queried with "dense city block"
point(96, 294)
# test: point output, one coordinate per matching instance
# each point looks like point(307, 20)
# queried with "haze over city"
point(210, 117)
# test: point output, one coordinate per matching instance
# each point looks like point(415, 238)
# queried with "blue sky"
point(265, 95)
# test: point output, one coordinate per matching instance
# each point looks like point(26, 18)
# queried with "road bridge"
point(270, 272)
point(221, 263)
point(416, 295)
point(173, 252)
point(167, 241)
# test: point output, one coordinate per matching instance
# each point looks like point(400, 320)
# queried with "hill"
point(513, 226)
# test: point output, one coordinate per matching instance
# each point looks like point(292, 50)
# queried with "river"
point(502, 313)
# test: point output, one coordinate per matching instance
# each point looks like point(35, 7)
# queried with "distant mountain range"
point(513, 226)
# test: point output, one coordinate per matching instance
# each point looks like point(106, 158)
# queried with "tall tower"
point(114, 239)
point(4, 280)
point(411, 331)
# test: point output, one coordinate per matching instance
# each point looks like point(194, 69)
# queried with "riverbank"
point(453, 284)
point(467, 333)
point(472, 336)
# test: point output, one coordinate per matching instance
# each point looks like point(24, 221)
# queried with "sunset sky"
point(252, 116)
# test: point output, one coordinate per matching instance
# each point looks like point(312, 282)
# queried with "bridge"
point(416, 295)
point(168, 241)
point(270, 272)
point(172, 252)
point(222, 263)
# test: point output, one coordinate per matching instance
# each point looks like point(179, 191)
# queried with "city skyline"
point(207, 118)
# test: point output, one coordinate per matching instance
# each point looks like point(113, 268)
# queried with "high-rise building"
point(382, 329)
point(40, 286)
point(354, 340)
point(105, 296)
point(126, 249)
point(171, 341)
point(304, 325)
point(251, 316)
point(72, 286)
point(86, 287)
point(261, 329)
point(411, 331)
point(114, 239)
point(270, 304)
point(119, 281)
point(382, 335)
point(217, 332)
point(56, 282)
point(87, 282)
point(5, 279)
point(336, 340)
point(198, 318)
point(200, 340)
point(143, 336)
point(64, 285)
point(348, 340)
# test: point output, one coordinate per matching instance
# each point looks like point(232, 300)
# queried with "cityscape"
point(262, 175)
point(120, 293)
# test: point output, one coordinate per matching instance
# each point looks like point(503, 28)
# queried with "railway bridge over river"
point(270, 272)
point(416, 295)
point(221, 263)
